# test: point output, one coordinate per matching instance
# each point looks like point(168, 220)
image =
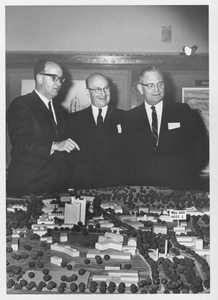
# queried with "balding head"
point(98, 89)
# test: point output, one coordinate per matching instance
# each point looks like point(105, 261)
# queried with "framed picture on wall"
point(198, 99)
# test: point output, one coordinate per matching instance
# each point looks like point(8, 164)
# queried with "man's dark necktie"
point(99, 122)
point(154, 124)
point(50, 111)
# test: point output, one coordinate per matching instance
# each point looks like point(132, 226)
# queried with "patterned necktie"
point(154, 124)
point(50, 110)
point(99, 121)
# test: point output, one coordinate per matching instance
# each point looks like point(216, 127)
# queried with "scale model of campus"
point(120, 236)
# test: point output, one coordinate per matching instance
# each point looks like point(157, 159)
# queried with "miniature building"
point(44, 219)
point(65, 249)
point(39, 229)
point(47, 239)
point(126, 218)
point(142, 218)
point(113, 255)
point(118, 209)
point(63, 237)
point(56, 260)
point(160, 229)
point(165, 217)
point(117, 268)
point(15, 243)
point(144, 209)
point(17, 231)
point(127, 277)
point(129, 249)
point(116, 230)
point(105, 223)
point(132, 241)
point(114, 236)
point(109, 244)
point(75, 212)
point(65, 199)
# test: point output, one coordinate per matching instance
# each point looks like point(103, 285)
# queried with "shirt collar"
point(43, 98)
point(157, 106)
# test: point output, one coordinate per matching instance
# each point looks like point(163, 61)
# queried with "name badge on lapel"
point(119, 128)
point(173, 125)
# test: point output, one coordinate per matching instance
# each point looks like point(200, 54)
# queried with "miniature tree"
point(102, 289)
point(74, 277)
point(73, 287)
point(92, 288)
point(87, 261)
point(42, 284)
point(23, 282)
point(81, 272)
point(17, 286)
point(69, 267)
point(47, 277)
point(31, 274)
point(127, 266)
point(106, 257)
point(82, 287)
point(39, 288)
point(63, 264)
point(10, 283)
point(29, 286)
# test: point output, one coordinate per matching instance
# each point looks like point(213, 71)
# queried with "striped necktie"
point(99, 122)
point(50, 110)
point(154, 124)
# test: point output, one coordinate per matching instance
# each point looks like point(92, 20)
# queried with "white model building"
point(65, 249)
point(109, 244)
point(63, 237)
point(15, 243)
point(16, 232)
point(56, 260)
point(44, 219)
point(75, 211)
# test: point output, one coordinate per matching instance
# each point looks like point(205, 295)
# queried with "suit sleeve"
point(202, 143)
point(197, 138)
point(20, 129)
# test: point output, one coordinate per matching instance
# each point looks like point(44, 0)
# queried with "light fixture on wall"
point(189, 51)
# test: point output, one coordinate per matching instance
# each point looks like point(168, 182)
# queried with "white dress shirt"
point(159, 109)
point(95, 111)
point(46, 101)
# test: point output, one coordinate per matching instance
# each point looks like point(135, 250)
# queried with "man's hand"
point(66, 145)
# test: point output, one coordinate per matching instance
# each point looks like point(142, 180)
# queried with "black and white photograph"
point(109, 131)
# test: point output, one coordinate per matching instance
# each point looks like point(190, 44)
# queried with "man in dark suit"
point(36, 127)
point(168, 143)
point(98, 131)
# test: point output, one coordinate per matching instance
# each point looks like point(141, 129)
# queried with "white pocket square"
point(119, 128)
point(173, 125)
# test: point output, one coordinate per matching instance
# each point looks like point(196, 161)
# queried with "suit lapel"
point(42, 109)
point(143, 119)
point(166, 113)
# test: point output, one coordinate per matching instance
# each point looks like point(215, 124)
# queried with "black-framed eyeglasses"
point(105, 89)
point(151, 86)
point(54, 77)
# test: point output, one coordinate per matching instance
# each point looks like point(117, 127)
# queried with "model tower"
point(75, 211)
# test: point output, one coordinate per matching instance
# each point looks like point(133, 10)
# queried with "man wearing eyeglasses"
point(36, 125)
point(98, 131)
point(168, 143)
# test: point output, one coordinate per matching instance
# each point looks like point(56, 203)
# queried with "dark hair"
point(149, 69)
point(40, 66)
